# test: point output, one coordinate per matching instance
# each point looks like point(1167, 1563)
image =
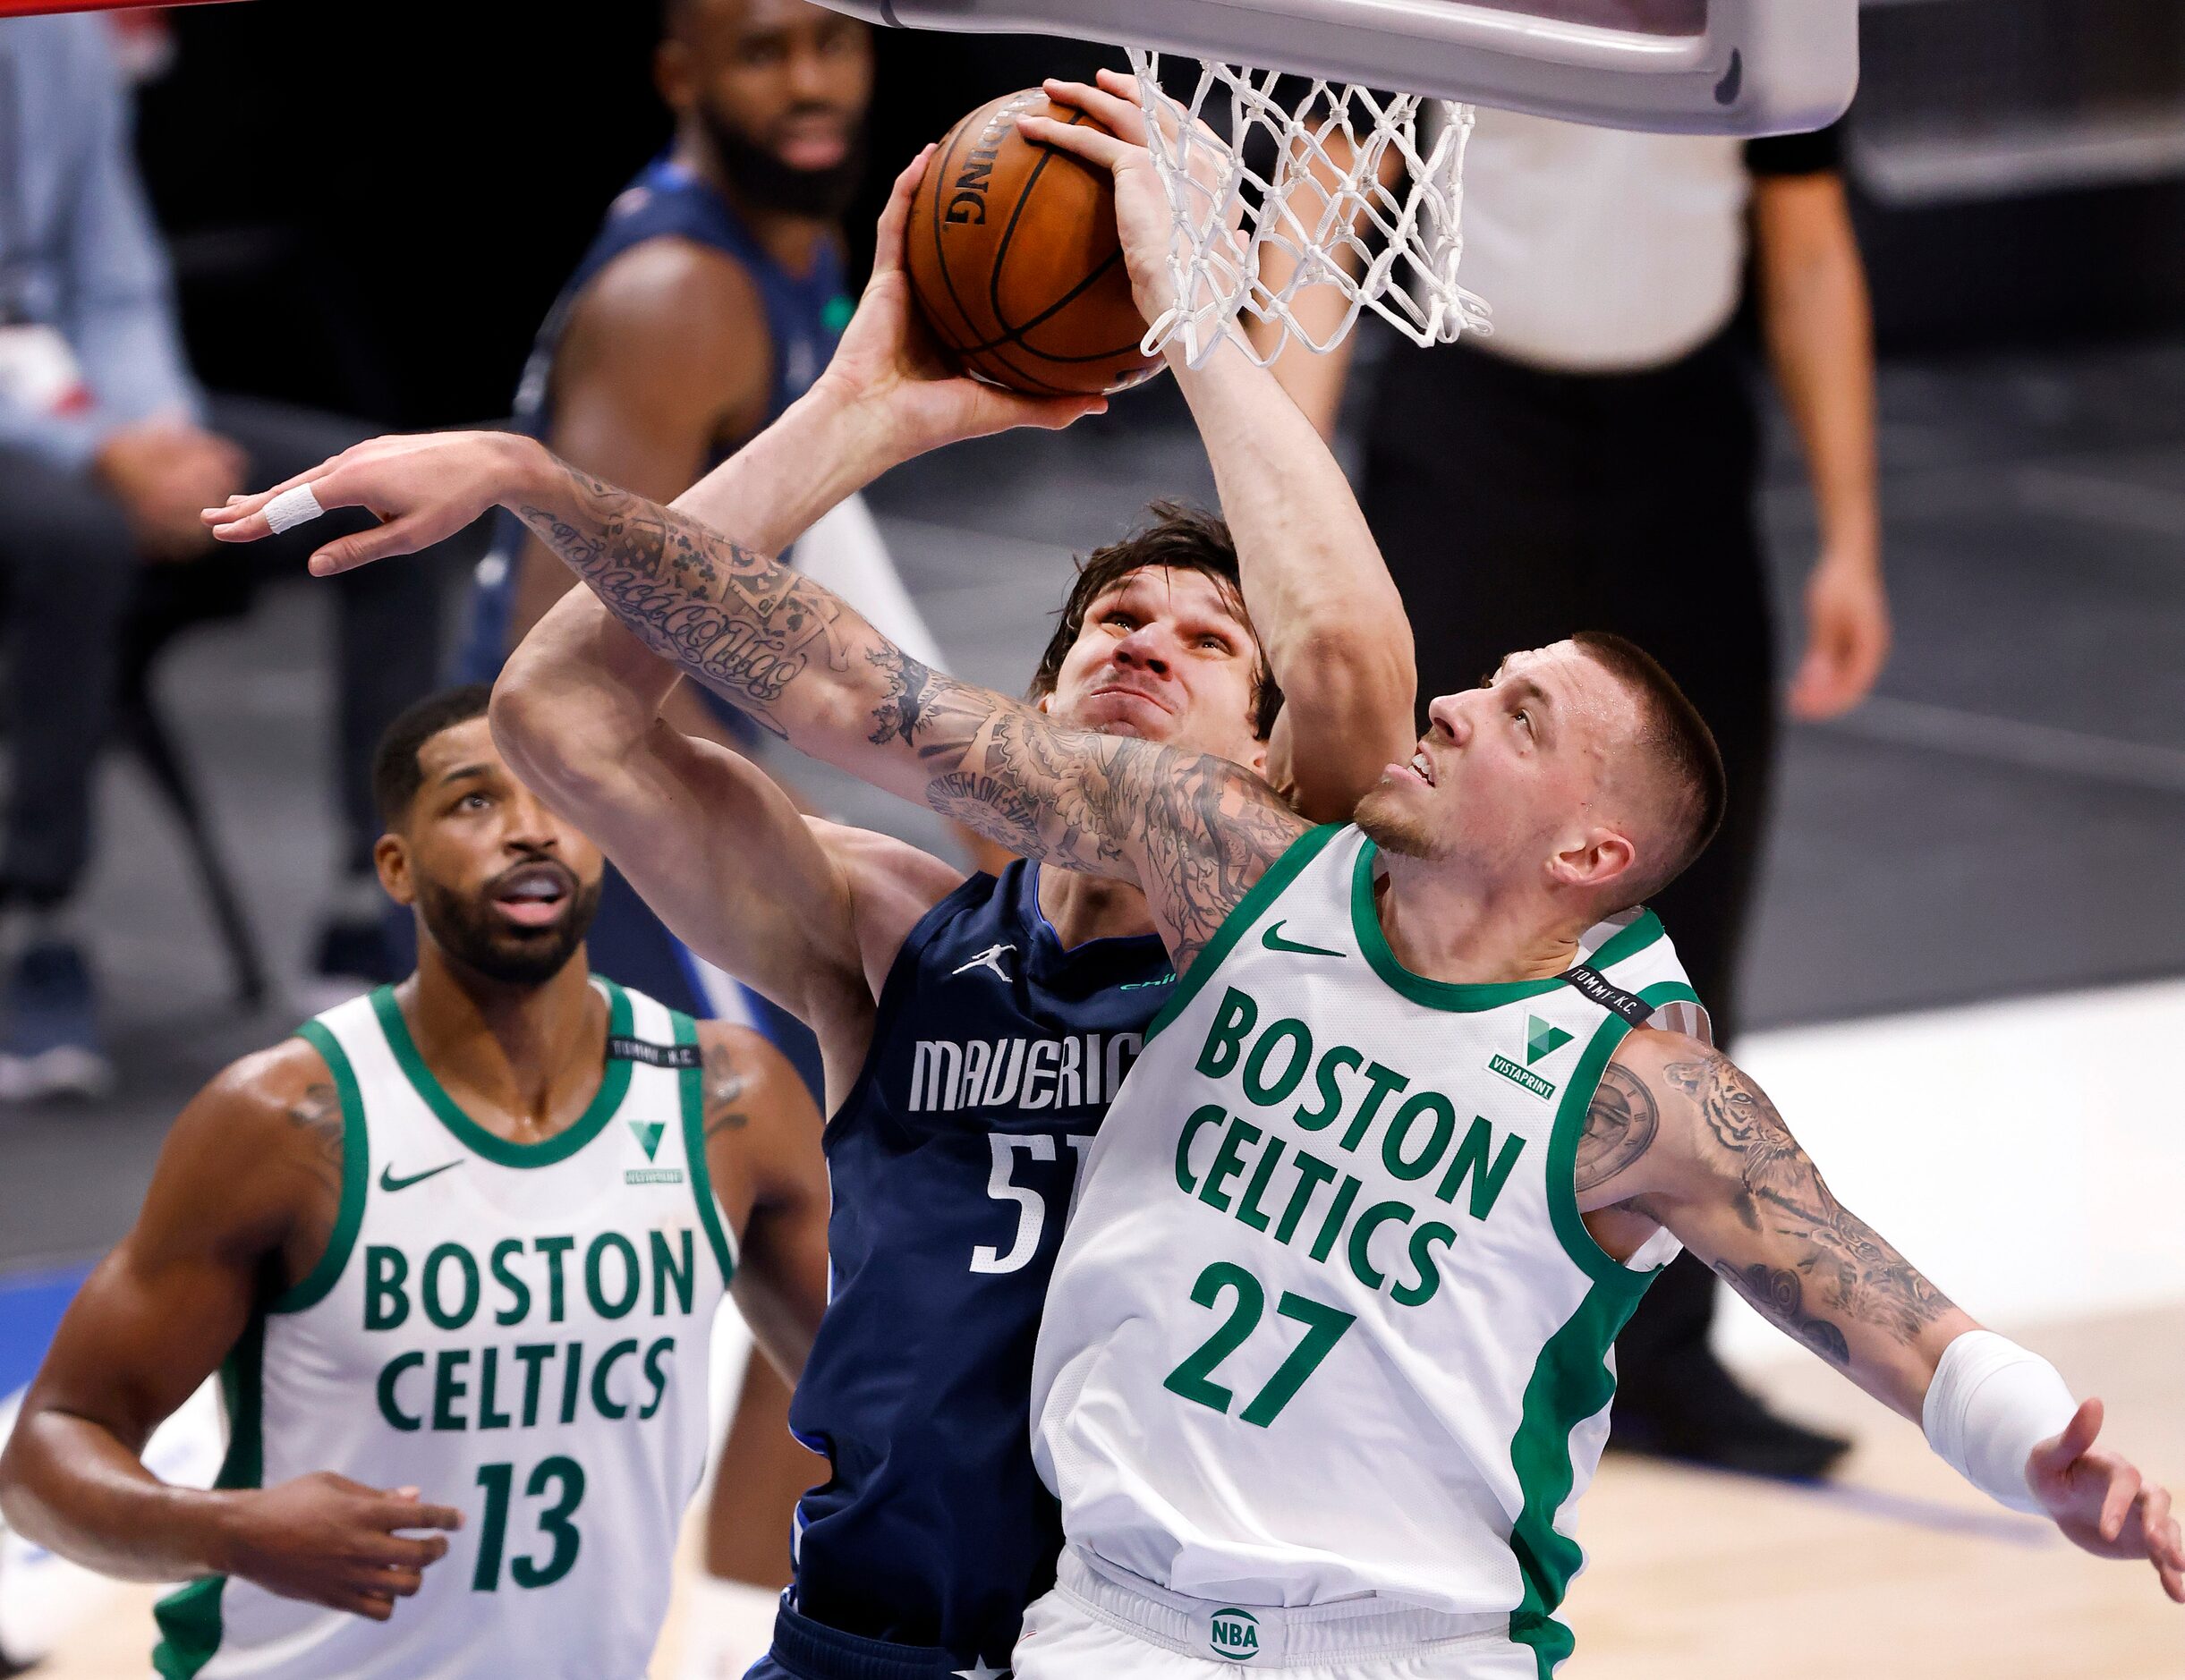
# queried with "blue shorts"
point(805, 1650)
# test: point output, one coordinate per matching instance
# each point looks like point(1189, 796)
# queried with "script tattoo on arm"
point(1194, 832)
point(1844, 1273)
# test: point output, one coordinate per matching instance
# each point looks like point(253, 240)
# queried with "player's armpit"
point(1680, 1134)
point(763, 1154)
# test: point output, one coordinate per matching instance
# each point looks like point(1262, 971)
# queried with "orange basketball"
point(1013, 257)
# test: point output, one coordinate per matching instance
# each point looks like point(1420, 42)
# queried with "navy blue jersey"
point(805, 317)
point(995, 1054)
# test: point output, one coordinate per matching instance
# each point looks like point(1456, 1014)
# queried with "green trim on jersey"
point(310, 1289)
point(614, 1084)
point(190, 1621)
point(1434, 994)
point(1239, 922)
point(1644, 931)
point(1577, 1242)
point(1570, 1383)
point(692, 1081)
point(1570, 1380)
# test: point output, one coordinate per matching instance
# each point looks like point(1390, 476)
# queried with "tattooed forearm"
point(1193, 832)
point(738, 621)
point(1779, 1294)
point(1620, 1126)
point(1857, 1277)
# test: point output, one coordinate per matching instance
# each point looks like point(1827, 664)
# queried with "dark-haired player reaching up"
point(1324, 1360)
point(975, 1030)
point(455, 1250)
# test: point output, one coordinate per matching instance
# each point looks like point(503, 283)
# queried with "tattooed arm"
point(1195, 831)
point(1680, 1136)
point(241, 1204)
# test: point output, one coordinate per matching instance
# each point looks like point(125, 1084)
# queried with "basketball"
point(1013, 257)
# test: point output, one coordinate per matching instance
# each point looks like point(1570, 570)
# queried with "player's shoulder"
point(892, 885)
point(258, 1109)
point(745, 1070)
point(669, 289)
point(1659, 1056)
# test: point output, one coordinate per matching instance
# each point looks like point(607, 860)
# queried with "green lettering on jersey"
point(1228, 1161)
point(390, 1374)
point(554, 1248)
point(1248, 1210)
point(1362, 1266)
point(1380, 1081)
point(386, 1269)
point(657, 1377)
point(490, 1417)
point(1343, 1057)
point(1211, 1115)
point(1312, 1174)
point(667, 1270)
point(1470, 1161)
point(1264, 1092)
point(1224, 1040)
point(446, 1390)
point(1408, 1167)
point(519, 1305)
point(603, 1402)
point(429, 1286)
point(633, 1284)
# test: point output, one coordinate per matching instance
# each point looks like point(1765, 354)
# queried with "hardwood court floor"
point(1897, 1570)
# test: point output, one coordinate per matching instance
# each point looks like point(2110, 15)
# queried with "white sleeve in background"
point(846, 552)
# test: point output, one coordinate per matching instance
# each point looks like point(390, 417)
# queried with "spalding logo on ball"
point(1013, 257)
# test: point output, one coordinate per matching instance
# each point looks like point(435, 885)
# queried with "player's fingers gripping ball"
point(1016, 263)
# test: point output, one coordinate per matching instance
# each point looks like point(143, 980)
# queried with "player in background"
point(455, 1250)
point(1347, 1495)
point(974, 1030)
point(712, 298)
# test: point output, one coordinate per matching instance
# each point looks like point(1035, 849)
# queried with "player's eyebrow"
point(1542, 703)
point(462, 771)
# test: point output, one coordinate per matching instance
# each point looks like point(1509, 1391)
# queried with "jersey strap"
point(1592, 985)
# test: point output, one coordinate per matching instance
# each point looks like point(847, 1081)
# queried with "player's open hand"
point(2102, 1503)
point(422, 490)
point(329, 1540)
point(890, 368)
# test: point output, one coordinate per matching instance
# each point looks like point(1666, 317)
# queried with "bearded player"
point(456, 1250)
point(975, 1030)
point(1324, 1362)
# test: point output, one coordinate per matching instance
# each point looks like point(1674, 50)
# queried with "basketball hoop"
point(1356, 200)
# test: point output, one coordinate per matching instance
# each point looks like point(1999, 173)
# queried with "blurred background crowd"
point(1894, 412)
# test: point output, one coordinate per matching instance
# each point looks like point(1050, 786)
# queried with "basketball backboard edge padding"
point(1761, 67)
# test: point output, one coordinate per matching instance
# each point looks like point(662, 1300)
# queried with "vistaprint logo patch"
point(647, 1135)
point(1233, 1635)
point(1542, 1040)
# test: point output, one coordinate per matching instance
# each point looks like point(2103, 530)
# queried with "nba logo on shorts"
point(1234, 1635)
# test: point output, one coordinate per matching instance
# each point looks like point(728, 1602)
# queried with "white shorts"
point(1099, 1623)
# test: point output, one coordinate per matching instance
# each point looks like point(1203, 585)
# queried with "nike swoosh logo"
point(1274, 941)
point(387, 1181)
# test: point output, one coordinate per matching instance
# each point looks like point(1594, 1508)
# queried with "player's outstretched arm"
point(1681, 1135)
point(1321, 601)
point(248, 1181)
point(1193, 831)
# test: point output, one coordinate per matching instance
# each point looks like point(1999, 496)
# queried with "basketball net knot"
point(1275, 197)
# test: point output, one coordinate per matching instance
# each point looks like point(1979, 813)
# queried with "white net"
point(1300, 204)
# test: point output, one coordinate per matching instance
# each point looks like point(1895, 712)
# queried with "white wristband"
point(1990, 1405)
point(292, 508)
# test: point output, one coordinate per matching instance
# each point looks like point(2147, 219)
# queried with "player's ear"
point(390, 855)
point(1596, 858)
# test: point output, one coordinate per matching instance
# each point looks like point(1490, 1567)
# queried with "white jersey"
point(1326, 1321)
point(519, 1330)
